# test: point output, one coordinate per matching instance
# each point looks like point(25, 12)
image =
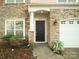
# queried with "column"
point(31, 21)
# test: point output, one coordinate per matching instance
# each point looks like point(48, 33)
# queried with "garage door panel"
point(68, 44)
point(69, 34)
point(71, 45)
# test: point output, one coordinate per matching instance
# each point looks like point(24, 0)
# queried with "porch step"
point(40, 45)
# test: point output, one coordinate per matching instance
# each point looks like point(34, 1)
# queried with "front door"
point(40, 31)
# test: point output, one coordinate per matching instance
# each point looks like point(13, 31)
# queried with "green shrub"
point(10, 37)
point(57, 46)
point(15, 37)
point(6, 37)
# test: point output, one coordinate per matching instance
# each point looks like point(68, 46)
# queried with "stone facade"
point(53, 29)
point(60, 14)
point(13, 11)
point(21, 11)
point(31, 37)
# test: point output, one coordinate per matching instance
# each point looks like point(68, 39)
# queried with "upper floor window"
point(14, 1)
point(61, 1)
point(68, 1)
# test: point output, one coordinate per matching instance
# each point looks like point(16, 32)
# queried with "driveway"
point(42, 51)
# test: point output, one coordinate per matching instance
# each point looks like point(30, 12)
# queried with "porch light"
point(41, 11)
point(55, 22)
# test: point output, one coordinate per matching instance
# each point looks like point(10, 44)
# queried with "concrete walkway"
point(42, 51)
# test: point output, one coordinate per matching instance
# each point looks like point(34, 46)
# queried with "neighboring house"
point(41, 20)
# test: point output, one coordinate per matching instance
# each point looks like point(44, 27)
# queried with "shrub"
point(57, 46)
point(7, 37)
point(11, 37)
point(12, 40)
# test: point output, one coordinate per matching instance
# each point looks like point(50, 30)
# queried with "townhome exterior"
point(42, 21)
point(10, 11)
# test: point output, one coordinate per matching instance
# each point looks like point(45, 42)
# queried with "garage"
point(69, 33)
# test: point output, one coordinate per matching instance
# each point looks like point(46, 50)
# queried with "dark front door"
point(40, 31)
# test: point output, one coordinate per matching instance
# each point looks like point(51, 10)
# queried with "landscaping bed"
point(15, 53)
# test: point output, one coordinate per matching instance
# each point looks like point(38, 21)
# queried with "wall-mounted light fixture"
point(55, 22)
point(41, 11)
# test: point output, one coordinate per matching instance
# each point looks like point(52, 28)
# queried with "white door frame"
point(36, 19)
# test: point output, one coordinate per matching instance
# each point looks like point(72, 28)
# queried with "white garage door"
point(69, 33)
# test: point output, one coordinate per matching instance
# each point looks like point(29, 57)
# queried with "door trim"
point(45, 31)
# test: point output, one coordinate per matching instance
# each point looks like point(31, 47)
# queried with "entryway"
point(39, 20)
point(40, 26)
point(40, 31)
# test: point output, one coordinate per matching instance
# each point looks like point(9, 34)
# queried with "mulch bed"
point(15, 53)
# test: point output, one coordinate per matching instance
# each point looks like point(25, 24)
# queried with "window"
point(68, 1)
point(14, 1)
point(63, 22)
point(15, 27)
point(62, 1)
point(71, 22)
point(71, 1)
point(9, 1)
point(19, 1)
point(77, 22)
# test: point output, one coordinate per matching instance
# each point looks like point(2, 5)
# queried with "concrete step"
point(40, 45)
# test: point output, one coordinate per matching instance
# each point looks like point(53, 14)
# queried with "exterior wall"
point(60, 14)
point(12, 11)
point(31, 37)
point(56, 13)
point(21, 11)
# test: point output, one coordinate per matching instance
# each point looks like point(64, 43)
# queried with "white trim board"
point(48, 8)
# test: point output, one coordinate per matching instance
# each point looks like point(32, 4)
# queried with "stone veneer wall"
point(60, 14)
point(13, 11)
point(31, 37)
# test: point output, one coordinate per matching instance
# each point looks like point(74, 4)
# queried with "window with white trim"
point(15, 27)
point(14, 1)
point(68, 1)
point(61, 1)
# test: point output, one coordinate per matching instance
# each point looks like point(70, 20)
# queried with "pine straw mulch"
point(16, 53)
